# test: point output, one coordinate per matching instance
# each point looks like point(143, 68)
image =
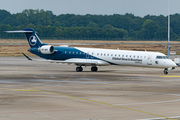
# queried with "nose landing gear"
point(165, 71)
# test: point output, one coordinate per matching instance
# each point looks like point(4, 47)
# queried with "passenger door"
point(149, 60)
point(87, 55)
point(92, 55)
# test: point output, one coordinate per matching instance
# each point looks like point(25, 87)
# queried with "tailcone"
point(29, 50)
point(33, 50)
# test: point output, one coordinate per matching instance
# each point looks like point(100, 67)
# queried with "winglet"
point(27, 57)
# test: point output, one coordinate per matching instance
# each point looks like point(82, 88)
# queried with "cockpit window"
point(161, 57)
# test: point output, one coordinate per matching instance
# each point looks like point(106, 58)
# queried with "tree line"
point(71, 26)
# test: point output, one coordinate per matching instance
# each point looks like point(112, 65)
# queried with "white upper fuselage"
point(128, 58)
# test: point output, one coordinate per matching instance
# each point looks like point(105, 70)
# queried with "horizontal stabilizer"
point(19, 31)
point(33, 39)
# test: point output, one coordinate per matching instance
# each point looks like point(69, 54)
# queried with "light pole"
point(168, 28)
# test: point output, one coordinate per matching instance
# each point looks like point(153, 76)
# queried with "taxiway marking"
point(46, 116)
point(151, 102)
point(26, 90)
point(159, 118)
point(98, 102)
point(170, 76)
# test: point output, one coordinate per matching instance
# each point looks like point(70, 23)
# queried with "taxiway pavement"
point(49, 91)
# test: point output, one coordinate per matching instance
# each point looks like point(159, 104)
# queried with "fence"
point(75, 38)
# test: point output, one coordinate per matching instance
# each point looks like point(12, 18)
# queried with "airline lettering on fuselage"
point(128, 59)
point(33, 40)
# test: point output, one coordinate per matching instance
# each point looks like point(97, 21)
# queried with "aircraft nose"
point(169, 63)
point(173, 64)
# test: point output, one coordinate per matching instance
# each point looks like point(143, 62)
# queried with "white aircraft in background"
point(94, 57)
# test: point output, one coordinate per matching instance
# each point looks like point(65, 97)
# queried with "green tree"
point(4, 14)
point(149, 29)
point(92, 24)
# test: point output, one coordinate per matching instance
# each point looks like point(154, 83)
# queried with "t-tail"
point(31, 36)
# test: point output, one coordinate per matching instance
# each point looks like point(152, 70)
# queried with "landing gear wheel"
point(94, 69)
point(79, 69)
point(165, 71)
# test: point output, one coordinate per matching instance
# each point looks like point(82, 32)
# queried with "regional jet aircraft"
point(94, 57)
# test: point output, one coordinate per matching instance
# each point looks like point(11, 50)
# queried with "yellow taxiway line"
point(96, 102)
point(170, 76)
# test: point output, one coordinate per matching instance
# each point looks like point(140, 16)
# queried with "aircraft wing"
point(76, 61)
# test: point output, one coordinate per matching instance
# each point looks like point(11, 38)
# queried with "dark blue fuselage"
point(62, 53)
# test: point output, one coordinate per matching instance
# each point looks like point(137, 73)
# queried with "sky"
point(104, 7)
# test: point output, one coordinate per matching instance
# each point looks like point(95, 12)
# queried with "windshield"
point(161, 57)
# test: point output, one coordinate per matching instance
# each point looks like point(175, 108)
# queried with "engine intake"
point(47, 49)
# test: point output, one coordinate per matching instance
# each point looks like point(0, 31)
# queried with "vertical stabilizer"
point(31, 36)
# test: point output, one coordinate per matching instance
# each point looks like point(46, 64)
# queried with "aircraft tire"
point(94, 69)
point(79, 69)
point(165, 71)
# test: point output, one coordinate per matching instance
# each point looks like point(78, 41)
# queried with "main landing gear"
point(165, 71)
point(80, 69)
point(94, 69)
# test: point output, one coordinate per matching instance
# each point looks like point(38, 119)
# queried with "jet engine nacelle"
point(46, 49)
